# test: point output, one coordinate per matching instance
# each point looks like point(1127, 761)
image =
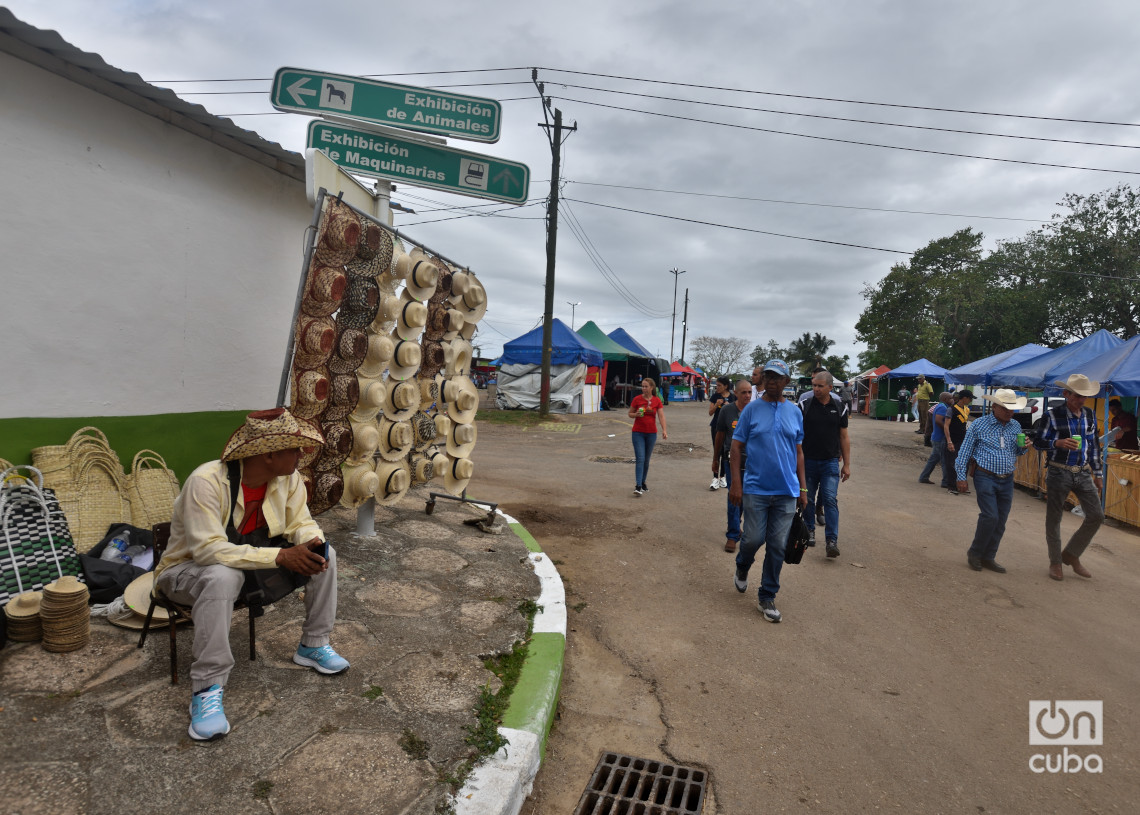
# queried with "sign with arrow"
point(379, 155)
point(296, 90)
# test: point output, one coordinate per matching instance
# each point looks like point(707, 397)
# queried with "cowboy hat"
point(423, 277)
point(443, 285)
point(409, 315)
point(1079, 384)
point(461, 282)
point(432, 358)
point(315, 340)
point(443, 425)
point(373, 397)
point(473, 302)
point(457, 474)
point(453, 325)
point(310, 393)
point(338, 445)
point(402, 400)
point(406, 358)
point(1006, 398)
point(422, 469)
point(267, 431)
point(461, 440)
point(365, 439)
point(326, 491)
point(344, 393)
point(380, 348)
point(429, 391)
point(312, 452)
point(461, 398)
point(360, 483)
point(424, 428)
point(324, 291)
point(361, 301)
point(396, 439)
point(457, 358)
point(467, 331)
point(351, 348)
point(394, 481)
point(339, 235)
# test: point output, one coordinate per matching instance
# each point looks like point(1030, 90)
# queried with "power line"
point(430, 87)
point(367, 76)
point(849, 141)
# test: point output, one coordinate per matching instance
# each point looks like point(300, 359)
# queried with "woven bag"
point(97, 499)
point(35, 543)
point(151, 488)
point(58, 463)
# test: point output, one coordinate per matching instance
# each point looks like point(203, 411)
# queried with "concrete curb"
point(501, 784)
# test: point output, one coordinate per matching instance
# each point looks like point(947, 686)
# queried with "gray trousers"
point(1058, 484)
point(211, 592)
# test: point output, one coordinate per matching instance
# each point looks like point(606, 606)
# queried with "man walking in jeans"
point(991, 443)
point(722, 442)
point(1070, 436)
point(769, 432)
point(825, 443)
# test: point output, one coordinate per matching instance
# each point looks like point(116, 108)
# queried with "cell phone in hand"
point(322, 549)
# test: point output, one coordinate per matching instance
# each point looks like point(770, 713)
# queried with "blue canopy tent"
point(1117, 370)
point(920, 367)
point(1031, 373)
point(567, 347)
point(906, 376)
point(979, 372)
point(622, 337)
point(520, 371)
point(642, 363)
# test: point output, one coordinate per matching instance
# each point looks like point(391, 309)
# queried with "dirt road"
point(899, 679)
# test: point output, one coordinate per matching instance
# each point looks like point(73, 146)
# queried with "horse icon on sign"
point(336, 95)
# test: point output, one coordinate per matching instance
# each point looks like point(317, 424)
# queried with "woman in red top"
point(645, 410)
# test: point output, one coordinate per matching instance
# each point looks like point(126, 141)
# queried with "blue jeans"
point(995, 497)
point(767, 519)
point(823, 476)
point(934, 460)
point(642, 449)
point(733, 532)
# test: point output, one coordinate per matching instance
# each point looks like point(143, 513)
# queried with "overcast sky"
point(1045, 58)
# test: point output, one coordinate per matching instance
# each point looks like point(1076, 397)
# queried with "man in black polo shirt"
point(825, 443)
point(722, 444)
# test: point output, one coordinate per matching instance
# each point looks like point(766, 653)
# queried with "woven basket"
point(96, 499)
point(151, 488)
point(59, 463)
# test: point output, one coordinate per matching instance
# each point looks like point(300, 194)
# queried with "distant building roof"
point(50, 51)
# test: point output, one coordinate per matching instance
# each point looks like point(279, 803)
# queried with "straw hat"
point(313, 451)
point(1006, 398)
point(473, 302)
point(431, 360)
point(365, 438)
point(339, 235)
point(360, 483)
point(396, 439)
point(1078, 384)
point(324, 291)
point(461, 440)
point(267, 431)
point(443, 425)
point(422, 469)
point(422, 278)
point(310, 393)
point(443, 285)
point(24, 606)
point(402, 263)
point(461, 282)
point(395, 479)
point(406, 357)
point(401, 400)
point(461, 398)
point(315, 339)
point(371, 238)
point(429, 391)
point(361, 301)
point(327, 489)
point(457, 474)
point(457, 358)
point(351, 348)
point(343, 397)
point(453, 324)
point(467, 332)
point(137, 597)
point(373, 397)
point(380, 347)
point(424, 428)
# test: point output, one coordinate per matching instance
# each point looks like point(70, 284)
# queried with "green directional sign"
point(366, 152)
point(296, 90)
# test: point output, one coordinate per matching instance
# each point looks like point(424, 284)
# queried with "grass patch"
point(579, 606)
point(261, 789)
point(413, 745)
point(373, 693)
point(516, 418)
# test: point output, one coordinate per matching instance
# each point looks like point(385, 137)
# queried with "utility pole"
point(684, 325)
point(673, 330)
point(554, 136)
point(573, 308)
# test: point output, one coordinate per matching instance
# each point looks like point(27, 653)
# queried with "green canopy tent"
point(611, 351)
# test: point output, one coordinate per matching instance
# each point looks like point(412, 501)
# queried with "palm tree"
point(809, 350)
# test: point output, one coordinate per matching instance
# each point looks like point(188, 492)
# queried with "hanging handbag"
point(797, 539)
point(262, 587)
point(35, 543)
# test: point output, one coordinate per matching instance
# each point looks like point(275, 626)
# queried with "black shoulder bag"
point(797, 539)
point(262, 587)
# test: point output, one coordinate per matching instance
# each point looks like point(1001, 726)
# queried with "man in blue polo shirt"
point(991, 443)
point(769, 435)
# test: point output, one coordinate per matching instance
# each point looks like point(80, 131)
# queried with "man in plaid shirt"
point(991, 444)
point(1070, 437)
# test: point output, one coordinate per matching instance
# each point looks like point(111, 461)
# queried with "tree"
point(763, 353)
point(719, 356)
point(838, 366)
point(809, 351)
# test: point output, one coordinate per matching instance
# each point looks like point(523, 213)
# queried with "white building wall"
point(143, 269)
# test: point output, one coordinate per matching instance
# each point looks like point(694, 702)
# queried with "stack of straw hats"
point(63, 613)
point(23, 613)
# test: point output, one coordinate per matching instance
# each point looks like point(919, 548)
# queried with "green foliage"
point(261, 789)
point(763, 353)
point(808, 352)
point(413, 745)
point(718, 356)
point(373, 693)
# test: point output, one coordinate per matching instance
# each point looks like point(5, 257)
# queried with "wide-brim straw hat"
point(401, 400)
point(457, 474)
point(267, 431)
point(137, 597)
point(443, 425)
point(373, 244)
point(461, 440)
point(339, 234)
point(422, 469)
point(473, 302)
point(327, 490)
point(310, 393)
point(350, 351)
point(453, 324)
point(310, 453)
point(467, 332)
point(380, 347)
point(324, 291)
point(24, 606)
point(337, 446)
point(373, 398)
point(315, 340)
point(344, 394)
point(432, 359)
point(443, 284)
point(405, 361)
point(365, 439)
point(394, 481)
point(1079, 384)
point(423, 426)
point(429, 391)
point(423, 277)
point(461, 397)
point(1006, 398)
point(360, 483)
point(361, 301)
point(457, 358)
point(461, 282)
point(396, 439)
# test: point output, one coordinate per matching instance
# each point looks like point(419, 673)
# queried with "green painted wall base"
point(184, 440)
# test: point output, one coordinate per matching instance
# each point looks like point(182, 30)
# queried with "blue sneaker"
point(207, 717)
point(324, 659)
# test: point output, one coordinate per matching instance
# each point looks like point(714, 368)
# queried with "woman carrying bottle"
point(716, 402)
point(645, 409)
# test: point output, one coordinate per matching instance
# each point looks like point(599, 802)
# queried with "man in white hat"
point(991, 444)
point(1071, 439)
point(203, 569)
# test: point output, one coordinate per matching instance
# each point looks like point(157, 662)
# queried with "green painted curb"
point(535, 697)
point(526, 537)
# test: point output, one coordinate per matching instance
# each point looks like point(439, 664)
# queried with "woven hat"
point(422, 469)
point(467, 332)
point(411, 318)
point(424, 428)
point(1079, 384)
point(373, 397)
point(457, 474)
point(443, 425)
point(396, 439)
point(461, 282)
point(432, 359)
point(361, 300)
point(443, 285)
point(461, 398)
point(344, 393)
point(365, 439)
point(402, 263)
point(311, 453)
point(360, 483)
point(350, 351)
point(267, 431)
point(461, 440)
point(422, 278)
point(371, 236)
point(337, 446)
point(453, 324)
point(1007, 398)
point(429, 391)
point(406, 358)
point(457, 358)
point(24, 605)
point(395, 479)
point(401, 400)
point(339, 234)
point(327, 489)
point(137, 597)
point(380, 347)
point(310, 393)
point(315, 340)
point(473, 302)
point(324, 291)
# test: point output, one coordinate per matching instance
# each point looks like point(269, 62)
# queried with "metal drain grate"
point(624, 785)
point(612, 460)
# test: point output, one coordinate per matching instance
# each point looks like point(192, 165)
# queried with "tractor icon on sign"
point(475, 175)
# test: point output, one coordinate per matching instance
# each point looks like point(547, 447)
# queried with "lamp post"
point(573, 306)
point(673, 330)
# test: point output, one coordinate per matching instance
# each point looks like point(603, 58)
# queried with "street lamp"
point(573, 306)
point(673, 330)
